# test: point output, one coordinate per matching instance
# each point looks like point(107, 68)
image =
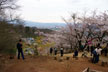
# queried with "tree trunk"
point(79, 45)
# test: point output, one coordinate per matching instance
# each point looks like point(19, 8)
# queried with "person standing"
point(55, 51)
point(106, 50)
point(98, 51)
point(51, 50)
point(61, 51)
point(94, 56)
point(82, 47)
point(75, 53)
point(20, 50)
point(92, 49)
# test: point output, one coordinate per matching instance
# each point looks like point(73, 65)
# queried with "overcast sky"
point(52, 10)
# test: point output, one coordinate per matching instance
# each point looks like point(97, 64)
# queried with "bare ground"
point(48, 64)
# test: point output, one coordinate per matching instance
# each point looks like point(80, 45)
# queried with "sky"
point(54, 10)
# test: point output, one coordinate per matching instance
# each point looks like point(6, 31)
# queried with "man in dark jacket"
point(51, 51)
point(75, 53)
point(19, 47)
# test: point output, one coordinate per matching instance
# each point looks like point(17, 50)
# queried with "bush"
point(8, 38)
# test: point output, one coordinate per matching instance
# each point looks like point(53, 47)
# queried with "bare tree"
point(5, 7)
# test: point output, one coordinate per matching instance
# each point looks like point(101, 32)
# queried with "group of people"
point(87, 48)
point(96, 53)
point(92, 48)
point(20, 50)
point(54, 50)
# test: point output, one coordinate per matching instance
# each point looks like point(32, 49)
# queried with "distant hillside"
point(43, 25)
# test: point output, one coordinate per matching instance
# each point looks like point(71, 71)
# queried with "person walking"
point(20, 50)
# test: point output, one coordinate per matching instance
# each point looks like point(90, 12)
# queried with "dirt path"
point(48, 64)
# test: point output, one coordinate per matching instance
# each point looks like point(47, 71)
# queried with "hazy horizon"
point(44, 24)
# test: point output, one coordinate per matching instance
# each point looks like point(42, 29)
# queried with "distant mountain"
point(43, 25)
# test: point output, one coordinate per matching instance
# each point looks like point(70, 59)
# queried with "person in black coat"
point(51, 50)
point(61, 51)
point(20, 51)
point(92, 49)
point(75, 53)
